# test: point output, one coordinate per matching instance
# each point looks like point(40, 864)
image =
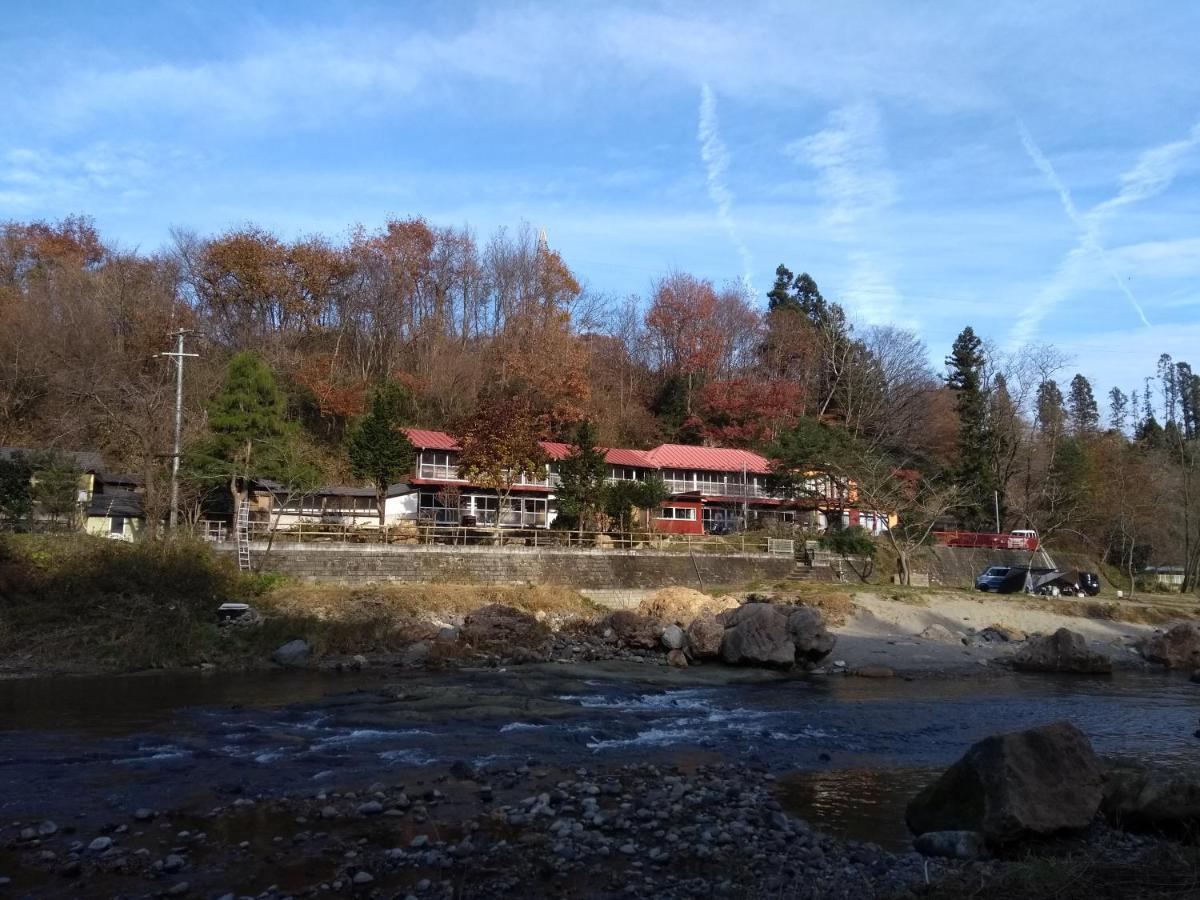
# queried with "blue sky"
point(1030, 169)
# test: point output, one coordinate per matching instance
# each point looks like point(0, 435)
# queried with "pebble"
point(370, 808)
point(100, 844)
point(177, 890)
point(363, 877)
point(47, 828)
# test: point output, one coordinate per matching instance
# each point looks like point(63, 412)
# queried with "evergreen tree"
point(16, 501)
point(54, 487)
point(1085, 415)
point(1189, 394)
point(1050, 412)
point(1118, 410)
point(965, 377)
point(583, 475)
point(379, 451)
point(249, 430)
point(1170, 387)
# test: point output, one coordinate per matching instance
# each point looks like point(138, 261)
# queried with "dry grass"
point(835, 605)
point(1114, 611)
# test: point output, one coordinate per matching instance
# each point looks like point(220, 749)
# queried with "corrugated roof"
point(614, 456)
point(85, 460)
point(423, 439)
point(716, 459)
point(116, 503)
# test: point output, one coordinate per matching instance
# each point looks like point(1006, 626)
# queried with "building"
point(712, 489)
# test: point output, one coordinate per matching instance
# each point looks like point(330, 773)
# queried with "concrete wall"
point(613, 571)
point(960, 566)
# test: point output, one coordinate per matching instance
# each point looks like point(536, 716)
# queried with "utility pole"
point(178, 356)
point(996, 501)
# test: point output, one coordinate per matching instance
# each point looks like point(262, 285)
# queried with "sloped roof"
point(615, 456)
point(116, 503)
point(718, 459)
point(424, 439)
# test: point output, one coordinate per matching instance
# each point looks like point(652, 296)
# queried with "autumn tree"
point(379, 450)
point(500, 449)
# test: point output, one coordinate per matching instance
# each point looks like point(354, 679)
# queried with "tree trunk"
point(381, 508)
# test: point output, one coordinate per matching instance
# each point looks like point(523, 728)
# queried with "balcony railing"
point(437, 472)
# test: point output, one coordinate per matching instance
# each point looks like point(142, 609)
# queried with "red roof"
point(715, 459)
point(423, 439)
point(616, 456)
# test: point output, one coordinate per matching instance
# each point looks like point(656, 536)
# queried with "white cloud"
point(859, 190)
point(716, 163)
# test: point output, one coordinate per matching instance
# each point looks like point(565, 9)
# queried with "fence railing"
point(459, 535)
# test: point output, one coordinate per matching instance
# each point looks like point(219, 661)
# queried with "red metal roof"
point(423, 439)
point(616, 456)
point(715, 459)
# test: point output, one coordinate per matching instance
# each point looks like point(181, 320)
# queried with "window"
point(116, 525)
point(686, 513)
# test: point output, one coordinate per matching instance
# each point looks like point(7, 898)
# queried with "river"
point(849, 751)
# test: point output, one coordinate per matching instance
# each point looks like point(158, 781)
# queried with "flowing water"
point(849, 751)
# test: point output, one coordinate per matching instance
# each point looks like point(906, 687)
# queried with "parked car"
point(1002, 579)
point(1089, 583)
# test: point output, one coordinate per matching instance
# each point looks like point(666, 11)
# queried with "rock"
point(363, 878)
point(1152, 798)
point(178, 890)
point(757, 634)
point(1063, 651)
point(704, 637)
point(680, 605)
point(462, 770)
point(143, 815)
point(997, 631)
point(447, 635)
point(293, 653)
point(1010, 786)
point(951, 844)
point(874, 672)
point(370, 808)
point(415, 654)
point(173, 863)
point(633, 630)
point(678, 659)
point(1178, 648)
point(939, 633)
point(673, 637)
point(496, 625)
point(47, 828)
point(100, 844)
point(806, 627)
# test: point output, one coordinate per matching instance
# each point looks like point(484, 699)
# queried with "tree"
point(1118, 406)
point(623, 497)
point(1085, 416)
point(379, 451)
point(583, 475)
point(965, 377)
point(500, 449)
point(249, 429)
point(54, 487)
point(16, 502)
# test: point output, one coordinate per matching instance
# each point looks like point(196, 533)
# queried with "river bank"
point(477, 783)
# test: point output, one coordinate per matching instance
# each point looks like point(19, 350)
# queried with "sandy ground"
point(886, 632)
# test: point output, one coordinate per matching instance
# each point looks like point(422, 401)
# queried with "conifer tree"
point(965, 377)
point(582, 480)
point(1085, 415)
point(379, 451)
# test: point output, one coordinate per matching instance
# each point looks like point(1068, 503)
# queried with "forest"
point(454, 325)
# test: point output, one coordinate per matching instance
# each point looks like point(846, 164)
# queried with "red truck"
point(1019, 539)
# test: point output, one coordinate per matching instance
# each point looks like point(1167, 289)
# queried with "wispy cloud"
point(716, 164)
point(859, 189)
point(1152, 174)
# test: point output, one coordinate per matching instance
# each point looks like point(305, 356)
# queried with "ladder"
point(243, 537)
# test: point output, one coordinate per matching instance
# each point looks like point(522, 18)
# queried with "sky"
point(1029, 169)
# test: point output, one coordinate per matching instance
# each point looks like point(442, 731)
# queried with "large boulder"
point(680, 605)
point(674, 637)
point(1010, 786)
point(704, 637)
point(633, 630)
point(294, 653)
point(499, 626)
point(757, 634)
point(806, 628)
point(1152, 797)
point(1063, 651)
point(1178, 648)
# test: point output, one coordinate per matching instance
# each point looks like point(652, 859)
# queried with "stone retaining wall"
point(620, 571)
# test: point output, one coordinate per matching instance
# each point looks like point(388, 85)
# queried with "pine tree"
point(379, 451)
point(1118, 410)
point(1050, 412)
point(1189, 394)
point(248, 426)
point(965, 377)
point(583, 475)
point(1085, 415)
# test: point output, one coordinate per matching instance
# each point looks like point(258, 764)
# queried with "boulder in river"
point(1010, 786)
point(294, 653)
point(757, 634)
point(1148, 797)
point(497, 625)
point(1063, 651)
point(704, 637)
point(806, 627)
point(1178, 648)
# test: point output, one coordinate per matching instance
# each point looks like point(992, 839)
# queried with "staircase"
point(802, 572)
point(243, 537)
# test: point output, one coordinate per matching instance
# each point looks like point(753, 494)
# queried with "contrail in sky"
point(716, 162)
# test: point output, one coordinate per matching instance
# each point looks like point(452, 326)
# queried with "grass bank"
point(72, 603)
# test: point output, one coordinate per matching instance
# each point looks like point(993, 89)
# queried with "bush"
point(852, 541)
